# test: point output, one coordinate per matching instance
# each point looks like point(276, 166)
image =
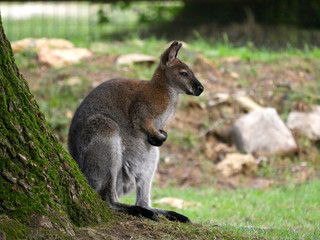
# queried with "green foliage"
point(142, 12)
point(102, 16)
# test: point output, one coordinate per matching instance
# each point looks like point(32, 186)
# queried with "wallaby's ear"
point(171, 53)
point(173, 50)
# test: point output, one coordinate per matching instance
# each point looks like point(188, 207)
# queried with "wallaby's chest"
point(162, 119)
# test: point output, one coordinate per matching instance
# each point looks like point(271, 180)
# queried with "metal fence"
point(46, 19)
point(81, 20)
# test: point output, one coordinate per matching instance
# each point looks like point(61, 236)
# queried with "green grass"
point(249, 52)
point(287, 212)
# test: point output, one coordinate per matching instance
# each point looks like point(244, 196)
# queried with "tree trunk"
point(40, 184)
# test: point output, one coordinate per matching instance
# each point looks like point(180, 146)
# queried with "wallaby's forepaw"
point(158, 139)
point(143, 212)
point(174, 216)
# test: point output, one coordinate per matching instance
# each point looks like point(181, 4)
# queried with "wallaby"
point(115, 133)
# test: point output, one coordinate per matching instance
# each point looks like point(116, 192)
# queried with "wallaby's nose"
point(199, 89)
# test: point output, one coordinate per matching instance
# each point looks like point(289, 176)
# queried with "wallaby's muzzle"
point(197, 88)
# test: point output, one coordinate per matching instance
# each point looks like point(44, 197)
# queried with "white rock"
point(235, 163)
point(62, 57)
point(316, 109)
point(53, 43)
point(131, 58)
point(308, 123)
point(22, 45)
point(262, 130)
point(55, 52)
point(30, 43)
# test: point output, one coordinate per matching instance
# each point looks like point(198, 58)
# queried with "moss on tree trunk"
point(40, 184)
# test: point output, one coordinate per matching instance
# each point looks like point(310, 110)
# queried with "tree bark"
point(40, 184)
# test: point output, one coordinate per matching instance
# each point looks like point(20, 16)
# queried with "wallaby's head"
point(179, 75)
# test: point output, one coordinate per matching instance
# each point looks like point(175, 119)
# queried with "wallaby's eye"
point(185, 74)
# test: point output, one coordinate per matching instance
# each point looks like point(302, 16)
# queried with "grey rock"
point(308, 123)
point(262, 130)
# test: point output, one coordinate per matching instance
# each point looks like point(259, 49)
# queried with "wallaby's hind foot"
point(173, 216)
point(146, 212)
point(133, 210)
point(152, 214)
point(140, 212)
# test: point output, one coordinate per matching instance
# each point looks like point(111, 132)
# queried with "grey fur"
point(108, 141)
